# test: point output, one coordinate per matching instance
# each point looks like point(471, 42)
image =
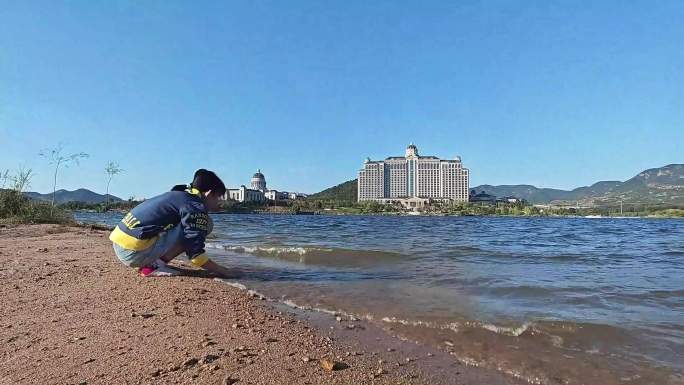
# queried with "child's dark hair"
point(205, 180)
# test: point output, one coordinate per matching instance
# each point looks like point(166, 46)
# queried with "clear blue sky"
point(556, 94)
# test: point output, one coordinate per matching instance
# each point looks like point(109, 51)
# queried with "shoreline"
point(324, 213)
point(73, 314)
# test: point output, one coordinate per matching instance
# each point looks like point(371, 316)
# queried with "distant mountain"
point(661, 186)
point(528, 192)
point(346, 191)
point(80, 195)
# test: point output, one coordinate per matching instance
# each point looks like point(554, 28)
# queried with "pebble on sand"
point(330, 365)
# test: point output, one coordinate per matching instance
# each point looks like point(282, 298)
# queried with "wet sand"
point(72, 314)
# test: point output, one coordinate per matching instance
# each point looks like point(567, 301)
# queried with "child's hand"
point(221, 271)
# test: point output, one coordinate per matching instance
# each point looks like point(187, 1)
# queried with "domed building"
point(257, 192)
point(258, 181)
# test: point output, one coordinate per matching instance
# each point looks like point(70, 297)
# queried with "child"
point(159, 229)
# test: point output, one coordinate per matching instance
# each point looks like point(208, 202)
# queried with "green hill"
point(80, 195)
point(662, 186)
point(346, 191)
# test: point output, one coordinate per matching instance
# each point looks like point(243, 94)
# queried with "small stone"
point(190, 362)
point(448, 343)
point(390, 349)
point(208, 343)
point(235, 326)
point(380, 371)
point(306, 359)
point(430, 354)
point(156, 373)
point(330, 365)
point(209, 358)
point(408, 359)
point(338, 318)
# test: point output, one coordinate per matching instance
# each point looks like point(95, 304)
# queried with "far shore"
point(72, 314)
point(428, 214)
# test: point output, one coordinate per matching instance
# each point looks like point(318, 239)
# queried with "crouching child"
point(161, 228)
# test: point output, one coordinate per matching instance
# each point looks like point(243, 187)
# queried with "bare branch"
point(22, 180)
point(112, 169)
point(55, 157)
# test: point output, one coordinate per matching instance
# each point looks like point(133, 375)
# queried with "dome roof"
point(413, 146)
point(258, 175)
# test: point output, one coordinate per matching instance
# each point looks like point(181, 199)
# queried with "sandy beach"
point(72, 314)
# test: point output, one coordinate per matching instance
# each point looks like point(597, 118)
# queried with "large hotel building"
point(413, 178)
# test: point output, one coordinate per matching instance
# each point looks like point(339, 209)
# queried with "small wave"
point(507, 330)
point(268, 250)
point(242, 287)
point(350, 316)
point(407, 322)
point(311, 255)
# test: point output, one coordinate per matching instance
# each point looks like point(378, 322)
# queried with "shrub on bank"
point(16, 208)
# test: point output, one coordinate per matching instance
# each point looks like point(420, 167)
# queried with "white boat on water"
point(594, 216)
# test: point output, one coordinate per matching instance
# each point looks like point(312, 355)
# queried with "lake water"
point(553, 300)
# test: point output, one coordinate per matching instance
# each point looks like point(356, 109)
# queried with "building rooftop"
point(258, 174)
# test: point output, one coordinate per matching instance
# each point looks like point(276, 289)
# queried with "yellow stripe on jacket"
point(130, 242)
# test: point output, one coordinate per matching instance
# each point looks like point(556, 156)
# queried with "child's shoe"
point(157, 269)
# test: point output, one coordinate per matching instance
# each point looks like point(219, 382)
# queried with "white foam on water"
point(242, 287)
point(233, 284)
point(294, 305)
point(408, 322)
point(275, 250)
point(508, 331)
point(453, 326)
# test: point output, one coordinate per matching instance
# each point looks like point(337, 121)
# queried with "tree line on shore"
point(331, 206)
